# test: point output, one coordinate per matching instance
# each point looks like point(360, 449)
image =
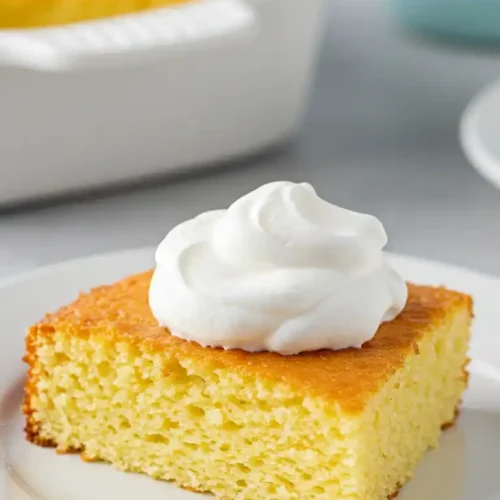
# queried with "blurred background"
point(363, 99)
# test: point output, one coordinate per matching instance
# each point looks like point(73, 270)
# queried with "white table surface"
point(380, 136)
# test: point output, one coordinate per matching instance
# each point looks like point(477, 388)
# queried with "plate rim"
point(40, 271)
point(475, 149)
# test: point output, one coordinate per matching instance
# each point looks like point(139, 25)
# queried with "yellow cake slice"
point(106, 381)
point(39, 13)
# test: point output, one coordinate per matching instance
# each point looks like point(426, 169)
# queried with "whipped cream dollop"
point(280, 270)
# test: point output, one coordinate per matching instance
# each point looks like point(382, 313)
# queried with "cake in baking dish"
point(39, 13)
point(106, 381)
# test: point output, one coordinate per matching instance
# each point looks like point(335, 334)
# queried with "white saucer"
point(480, 133)
point(466, 467)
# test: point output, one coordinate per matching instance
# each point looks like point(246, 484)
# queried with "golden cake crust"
point(120, 312)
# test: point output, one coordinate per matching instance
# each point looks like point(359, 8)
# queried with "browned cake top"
point(121, 312)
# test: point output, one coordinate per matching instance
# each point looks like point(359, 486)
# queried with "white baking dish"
point(93, 103)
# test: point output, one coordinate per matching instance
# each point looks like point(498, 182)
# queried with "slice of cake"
point(273, 354)
point(40, 13)
point(107, 381)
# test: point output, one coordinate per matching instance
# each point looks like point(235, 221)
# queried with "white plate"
point(466, 467)
point(480, 133)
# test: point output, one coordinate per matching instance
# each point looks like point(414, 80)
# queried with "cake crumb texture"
point(348, 425)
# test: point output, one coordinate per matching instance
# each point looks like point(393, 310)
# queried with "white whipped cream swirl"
point(280, 270)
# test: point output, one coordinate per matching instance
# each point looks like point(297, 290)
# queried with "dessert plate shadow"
point(465, 467)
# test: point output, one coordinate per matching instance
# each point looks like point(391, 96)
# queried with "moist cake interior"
point(351, 425)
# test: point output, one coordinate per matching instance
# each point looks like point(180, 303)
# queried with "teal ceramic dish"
point(473, 20)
